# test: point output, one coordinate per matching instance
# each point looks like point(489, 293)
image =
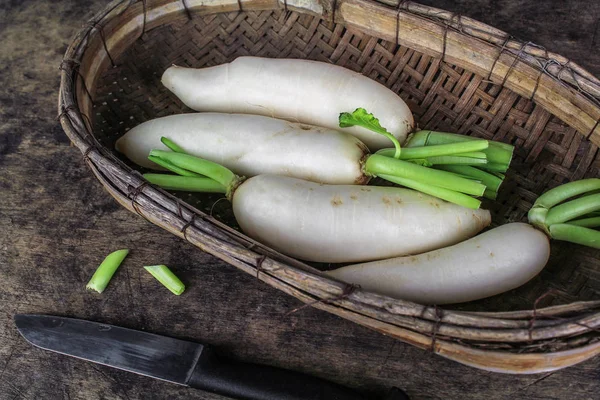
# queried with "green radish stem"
point(186, 183)
point(573, 209)
point(562, 219)
point(201, 166)
point(164, 275)
point(445, 194)
point(377, 165)
point(499, 155)
point(172, 167)
point(439, 150)
point(171, 145)
point(490, 194)
point(106, 270)
point(490, 181)
point(564, 192)
point(457, 160)
point(575, 234)
point(592, 222)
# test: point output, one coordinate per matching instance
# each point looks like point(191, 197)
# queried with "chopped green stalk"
point(185, 183)
point(195, 164)
point(171, 145)
point(498, 154)
point(165, 276)
point(576, 234)
point(439, 150)
point(442, 193)
point(490, 181)
point(172, 167)
point(361, 117)
point(106, 270)
point(457, 160)
point(573, 209)
point(378, 165)
point(592, 222)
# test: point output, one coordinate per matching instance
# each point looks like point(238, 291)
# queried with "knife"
point(177, 361)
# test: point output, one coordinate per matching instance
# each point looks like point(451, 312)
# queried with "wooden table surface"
point(57, 224)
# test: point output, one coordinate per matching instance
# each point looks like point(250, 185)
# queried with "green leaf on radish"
point(361, 117)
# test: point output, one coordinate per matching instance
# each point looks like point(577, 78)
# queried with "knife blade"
point(178, 361)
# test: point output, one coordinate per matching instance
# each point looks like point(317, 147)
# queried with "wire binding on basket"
point(402, 5)
point(515, 61)
point(259, 263)
point(144, 20)
point(64, 66)
point(439, 315)
point(446, 27)
point(187, 10)
point(134, 193)
point(95, 25)
point(349, 288)
point(508, 38)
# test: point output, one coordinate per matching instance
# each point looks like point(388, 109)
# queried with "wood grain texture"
point(59, 224)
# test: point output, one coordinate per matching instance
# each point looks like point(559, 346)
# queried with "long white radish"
point(251, 145)
point(493, 262)
point(302, 91)
point(349, 223)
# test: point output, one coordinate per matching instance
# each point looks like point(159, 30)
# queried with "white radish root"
point(302, 91)
point(493, 262)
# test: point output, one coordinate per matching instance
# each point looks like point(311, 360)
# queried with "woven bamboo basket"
point(456, 74)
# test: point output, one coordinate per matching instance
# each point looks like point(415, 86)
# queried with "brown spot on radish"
point(399, 200)
point(336, 201)
point(491, 254)
point(365, 189)
point(311, 189)
point(386, 200)
point(353, 197)
point(305, 127)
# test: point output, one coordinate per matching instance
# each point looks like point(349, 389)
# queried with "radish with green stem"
point(333, 223)
point(251, 145)
point(490, 263)
point(493, 262)
point(303, 91)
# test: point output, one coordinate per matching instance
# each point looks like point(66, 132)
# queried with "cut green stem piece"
point(573, 209)
point(380, 165)
point(494, 167)
point(165, 276)
point(171, 145)
point(195, 164)
point(172, 167)
point(439, 150)
point(575, 234)
point(106, 270)
point(186, 183)
point(491, 181)
point(442, 193)
point(498, 154)
point(592, 222)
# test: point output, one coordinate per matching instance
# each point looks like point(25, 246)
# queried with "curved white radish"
point(349, 223)
point(493, 262)
point(303, 91)
point(251, 145)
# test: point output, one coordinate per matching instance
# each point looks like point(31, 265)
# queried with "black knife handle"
point(257, 382)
